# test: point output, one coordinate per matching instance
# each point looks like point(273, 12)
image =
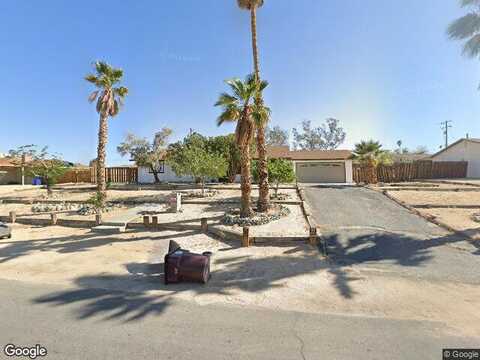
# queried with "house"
point(8, 172)
point(465, 149)
point(310, 166)
point(165, 174)
point(317, 166)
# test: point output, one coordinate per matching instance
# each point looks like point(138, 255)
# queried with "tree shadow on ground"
point(141, 292)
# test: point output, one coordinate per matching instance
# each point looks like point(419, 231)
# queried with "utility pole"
point(445, 126)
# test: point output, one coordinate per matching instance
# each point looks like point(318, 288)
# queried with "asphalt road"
point(184, 330)
point(363, 228)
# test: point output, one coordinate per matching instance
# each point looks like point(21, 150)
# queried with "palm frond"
point(226, 99)
point(464, 27)
point(229, 114)
point(121, 91)
point(93, 96)
point(472, 46)
point(92, 79)
point(465, 3)
point(247, 4)
point(237, 87)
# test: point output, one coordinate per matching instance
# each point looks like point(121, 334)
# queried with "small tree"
point(224, 145)
point(40, 163)
point(279, 170)
point(276, 136)
point(192, 158)
point(328, 136)
point(146, 153)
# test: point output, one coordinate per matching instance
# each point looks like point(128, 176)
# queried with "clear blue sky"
point(384, 68)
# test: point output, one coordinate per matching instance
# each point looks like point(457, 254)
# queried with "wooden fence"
point(76, 175)
point(123, 175)
point(126, 175)
point(424, 169)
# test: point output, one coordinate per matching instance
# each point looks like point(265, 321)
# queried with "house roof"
point(409, 157)
point(283, 152)
point(472, 140)
point(5, 162)
point(320, 154)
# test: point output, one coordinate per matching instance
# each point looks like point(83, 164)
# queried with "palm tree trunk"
point(263, 198)
point(246, 182)
point(101, 156)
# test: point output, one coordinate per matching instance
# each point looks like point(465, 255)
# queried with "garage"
point(320, 172)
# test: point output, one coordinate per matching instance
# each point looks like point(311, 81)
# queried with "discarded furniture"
point(182, 265)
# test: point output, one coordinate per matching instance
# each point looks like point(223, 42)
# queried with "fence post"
point(246, 237)
point(312, 239)
point(204, 225)
point(54, 218)
point(155, 221)
point(13, 217)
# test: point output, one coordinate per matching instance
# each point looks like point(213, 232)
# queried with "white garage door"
point(331, 172)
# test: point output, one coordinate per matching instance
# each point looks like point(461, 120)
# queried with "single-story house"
point(465, 149)
point(165, 174)
point(9, 172)
point(310, 166)
point(317, 166)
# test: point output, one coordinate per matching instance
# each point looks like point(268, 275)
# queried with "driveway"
point(363, 228)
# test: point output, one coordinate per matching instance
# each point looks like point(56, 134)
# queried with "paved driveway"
point(363, 228)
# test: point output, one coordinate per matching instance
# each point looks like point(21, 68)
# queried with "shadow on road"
point(129, 297)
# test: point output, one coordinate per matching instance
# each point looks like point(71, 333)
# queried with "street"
point(186, 330)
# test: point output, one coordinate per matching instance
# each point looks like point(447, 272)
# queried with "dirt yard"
point(435, 203)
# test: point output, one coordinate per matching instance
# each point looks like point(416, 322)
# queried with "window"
point(160, 167)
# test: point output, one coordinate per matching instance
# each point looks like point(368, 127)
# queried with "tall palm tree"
point(467, 28)
point(109, 100)
point(238, 107)
point(264, 198)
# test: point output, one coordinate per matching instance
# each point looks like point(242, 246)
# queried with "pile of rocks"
point(81, 209)
point(89, 209)
point(198, 194)
point(276, 213)
point(281, 196)
point(40, 208)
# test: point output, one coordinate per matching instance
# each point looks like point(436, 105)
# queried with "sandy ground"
point(289, 277)
point(84, 192)
point(458, 219)
point(438, 197)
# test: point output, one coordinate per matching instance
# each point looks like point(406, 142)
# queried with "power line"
point(445, 125)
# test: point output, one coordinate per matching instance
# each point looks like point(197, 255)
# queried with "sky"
point(384, 68)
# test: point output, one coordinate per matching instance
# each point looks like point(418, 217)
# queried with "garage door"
point(332, 172)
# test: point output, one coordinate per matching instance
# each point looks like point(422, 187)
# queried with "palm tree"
point(467, 28)
point(109, 100)
point(238, 107)
point(264, 198)
point(371, 154)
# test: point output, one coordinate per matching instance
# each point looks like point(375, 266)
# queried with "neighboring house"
point(317, 166)
point(9, 173)
point(465, 149)
point(408, 158)
point(165, 174)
